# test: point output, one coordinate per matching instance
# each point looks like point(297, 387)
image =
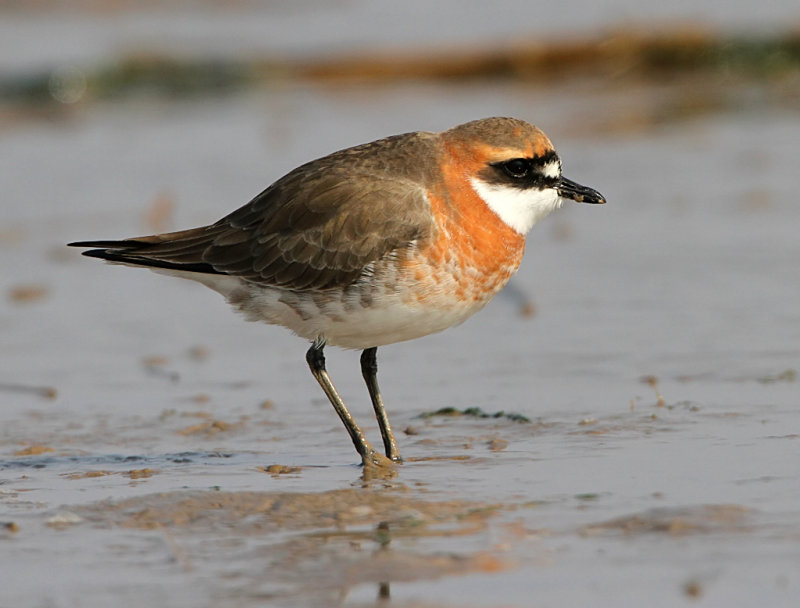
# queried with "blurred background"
point(127, 117)
point(120, 118)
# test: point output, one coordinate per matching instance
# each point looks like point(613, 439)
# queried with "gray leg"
point(369, 368)
point(316, 361)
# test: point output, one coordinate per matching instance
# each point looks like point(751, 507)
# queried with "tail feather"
point(134, 252)
point(126, 244)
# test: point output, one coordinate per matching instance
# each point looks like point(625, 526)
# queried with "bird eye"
point(516, 168)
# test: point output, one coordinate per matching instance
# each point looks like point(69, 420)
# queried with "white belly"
point(345, 319)
point(361, 316)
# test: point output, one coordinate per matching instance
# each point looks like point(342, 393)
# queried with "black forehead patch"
point(545, 159)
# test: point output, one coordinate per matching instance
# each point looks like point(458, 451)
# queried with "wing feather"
point(318, 227)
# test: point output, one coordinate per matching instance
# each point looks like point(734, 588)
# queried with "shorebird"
point(376, 244)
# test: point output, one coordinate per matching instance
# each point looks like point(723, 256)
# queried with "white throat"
point(519, 208)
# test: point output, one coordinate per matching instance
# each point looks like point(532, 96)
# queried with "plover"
point(376, 244)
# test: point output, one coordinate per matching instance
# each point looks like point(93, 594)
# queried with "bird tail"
point(170, 251)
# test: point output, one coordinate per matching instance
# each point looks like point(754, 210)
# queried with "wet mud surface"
point(482, 512)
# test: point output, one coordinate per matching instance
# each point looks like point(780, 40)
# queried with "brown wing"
point(317, 227)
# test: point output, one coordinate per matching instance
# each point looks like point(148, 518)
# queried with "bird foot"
point(377, 466)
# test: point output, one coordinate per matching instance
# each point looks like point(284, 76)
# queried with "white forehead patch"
point(520, 208)
point(552, 169)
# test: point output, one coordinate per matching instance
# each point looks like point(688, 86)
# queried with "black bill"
point(580, 194)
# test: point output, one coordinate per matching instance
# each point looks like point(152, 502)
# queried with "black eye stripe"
point(516, 168)
point(523, 172)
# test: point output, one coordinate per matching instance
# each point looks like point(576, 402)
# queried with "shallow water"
point(145, 480)
point(85, 31)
